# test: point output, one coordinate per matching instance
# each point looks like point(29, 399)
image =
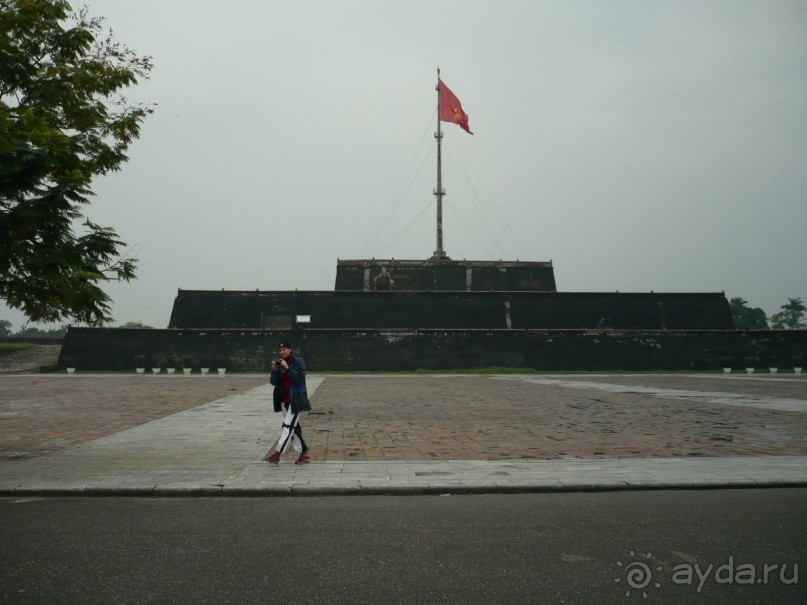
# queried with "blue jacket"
point(299, 392)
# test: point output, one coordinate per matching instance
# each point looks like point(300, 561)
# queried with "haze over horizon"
point(639, 146)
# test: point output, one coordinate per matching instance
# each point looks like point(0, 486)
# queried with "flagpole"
point(439, 192)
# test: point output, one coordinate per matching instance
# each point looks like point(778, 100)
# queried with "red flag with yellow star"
point(451, 108)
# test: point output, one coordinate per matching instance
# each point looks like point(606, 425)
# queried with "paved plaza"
point(402, 433)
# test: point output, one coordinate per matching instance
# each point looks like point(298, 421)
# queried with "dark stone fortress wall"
point(388, 315)
point(444, 275)
point(404, 350)
point(455, 310)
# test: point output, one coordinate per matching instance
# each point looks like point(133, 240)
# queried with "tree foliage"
point(136, 325)
point(791, 317)
point(31, 331)
point(34, 332)
point(63, 121)
point(746, 318)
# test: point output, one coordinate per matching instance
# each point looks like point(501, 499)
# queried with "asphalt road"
point(672, 546)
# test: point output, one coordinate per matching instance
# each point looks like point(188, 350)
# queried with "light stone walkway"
point(218, 449)
point(753, 401)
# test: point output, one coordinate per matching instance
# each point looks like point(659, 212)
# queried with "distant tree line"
point(790, 317)
point(7, 330)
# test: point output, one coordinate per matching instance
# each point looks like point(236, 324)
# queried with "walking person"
point(290, 398)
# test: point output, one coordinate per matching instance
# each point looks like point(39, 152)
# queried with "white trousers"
point(287, 432)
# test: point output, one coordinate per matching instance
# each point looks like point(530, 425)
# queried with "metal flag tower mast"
point(439, 192)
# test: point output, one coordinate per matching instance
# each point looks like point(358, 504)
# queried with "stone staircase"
point(29, 360)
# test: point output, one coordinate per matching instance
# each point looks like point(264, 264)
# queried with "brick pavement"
point(47, 413)
point(430, 417)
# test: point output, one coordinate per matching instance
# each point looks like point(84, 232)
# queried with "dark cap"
point(284, 345)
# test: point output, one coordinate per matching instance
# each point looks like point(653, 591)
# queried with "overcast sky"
point(638, 145)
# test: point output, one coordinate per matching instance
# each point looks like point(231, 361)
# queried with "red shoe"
point(303, 459)
point(274, 458)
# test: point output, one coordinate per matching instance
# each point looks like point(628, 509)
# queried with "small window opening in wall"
point(303, 319)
